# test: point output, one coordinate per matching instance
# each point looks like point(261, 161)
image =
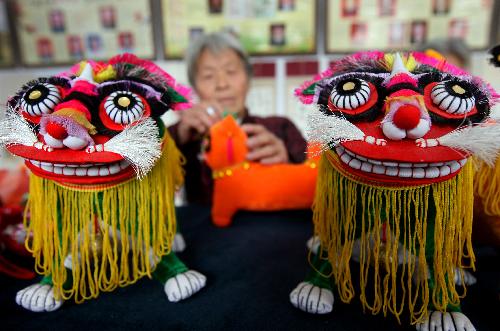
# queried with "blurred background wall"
point(289, 41)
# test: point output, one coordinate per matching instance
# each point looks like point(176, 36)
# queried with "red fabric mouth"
point(405, 150)
point(75, 159)
point(65, 155)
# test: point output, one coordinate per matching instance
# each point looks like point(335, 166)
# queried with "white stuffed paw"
point(179, 244)
point(38, 298)
point(312, 299)
point(313, 244)
point(469, 278)
point(184, 285)
point(439, 321)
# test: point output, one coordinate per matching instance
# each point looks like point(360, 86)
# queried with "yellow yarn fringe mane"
point(133, 220)
point(346, 209)
point(487, 187)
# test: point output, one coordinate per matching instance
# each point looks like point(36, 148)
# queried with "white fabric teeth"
point(82, 170)
point(398, 169)
point(43, 106)
point(450, 103)
point(124, 116)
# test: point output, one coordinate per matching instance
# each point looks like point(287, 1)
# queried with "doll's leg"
point(40, 297)
point(451, 319)
point(179, 281)
point(314, 295)
point(179, 244)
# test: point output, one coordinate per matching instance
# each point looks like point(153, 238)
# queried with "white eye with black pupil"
point(453, 97)
point(124, 107)
point(40, 99)
point(350, 94)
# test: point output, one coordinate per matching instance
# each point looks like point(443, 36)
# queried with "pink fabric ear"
point(310, 98)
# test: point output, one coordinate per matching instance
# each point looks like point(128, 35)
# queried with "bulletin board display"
point(402, 24)
point(65, 31)
point(265, 27)
point(6, 58)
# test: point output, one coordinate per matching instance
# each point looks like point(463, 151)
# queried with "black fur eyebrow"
point(140, 88)
point(58, 81)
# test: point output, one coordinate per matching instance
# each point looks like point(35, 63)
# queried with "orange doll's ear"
point(227, 144)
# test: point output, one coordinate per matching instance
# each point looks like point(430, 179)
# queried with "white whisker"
point(138, 144)
point(482, 140)
point(15, 130)
point(331, 130)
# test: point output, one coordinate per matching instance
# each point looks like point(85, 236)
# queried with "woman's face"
point(221, 79)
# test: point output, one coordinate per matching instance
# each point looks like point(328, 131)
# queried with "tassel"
point(434, 219)
point(136, 225)
point(487, 187)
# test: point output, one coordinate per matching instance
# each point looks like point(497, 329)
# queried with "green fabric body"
point(169, 266)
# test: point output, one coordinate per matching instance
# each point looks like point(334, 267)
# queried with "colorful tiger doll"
point(395, 184)
point(104, 174)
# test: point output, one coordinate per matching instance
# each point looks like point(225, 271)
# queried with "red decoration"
point(407, 117)
point(56, 130)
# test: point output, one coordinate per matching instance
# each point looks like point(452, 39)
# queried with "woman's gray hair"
point(215, 42)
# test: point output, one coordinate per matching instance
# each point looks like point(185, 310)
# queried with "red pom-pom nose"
point(56, 130)
point(407, 117)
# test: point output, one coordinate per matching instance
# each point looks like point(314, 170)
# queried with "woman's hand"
point(264, 146)
point(196, 121)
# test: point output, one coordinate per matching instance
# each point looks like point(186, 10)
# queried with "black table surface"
point(251, 268)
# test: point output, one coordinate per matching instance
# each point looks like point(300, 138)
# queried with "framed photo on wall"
point(353, 25)
point(265, 27)
point(65, 31)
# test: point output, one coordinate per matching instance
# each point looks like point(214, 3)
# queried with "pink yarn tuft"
point(402, 78)
point(153, 68)
point(439, 64)
point(308, 99)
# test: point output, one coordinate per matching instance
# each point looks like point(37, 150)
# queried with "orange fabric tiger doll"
point(243, 185)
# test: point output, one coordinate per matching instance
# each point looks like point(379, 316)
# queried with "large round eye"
point(350, 94)
point(40, 99)
point(453, 97)
point(124, 107)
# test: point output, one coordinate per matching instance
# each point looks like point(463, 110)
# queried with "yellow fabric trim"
point(115, 235)
point(346, 209)
point(487, 187)
point(409, 61)
point(435, 54)
point(82, 66)
point(78, 117)
point(106, 74)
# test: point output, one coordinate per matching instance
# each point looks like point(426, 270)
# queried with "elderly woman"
point(219, 71)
